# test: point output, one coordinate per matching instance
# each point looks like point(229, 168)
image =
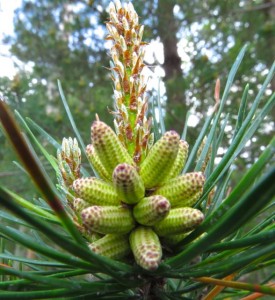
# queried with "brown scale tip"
point(97, 131)
point(172, 136)
point(198, 216)
point(89, 149)
point(184, 144)
point(80, 183)
point(150, 257)
point(197, 179)
point(172, 139)
point(163, 206)
point(91, 215)
point(123, 173)
point(128, 184)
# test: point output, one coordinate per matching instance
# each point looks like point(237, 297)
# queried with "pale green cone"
point(180, 160)
point(128, 183)
point(179, 220)
point(184, 190)
point(146, 248)
point(95, 191)
point(160, 160)
point(95, 161)
point(89, 235)
point(108, 219)
point(174, 239)
point(79, 204)
point(93, 236)
point(109, 149)
point(151, 210)
point(114, 246)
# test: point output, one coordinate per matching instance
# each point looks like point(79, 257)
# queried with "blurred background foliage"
point(190, 47)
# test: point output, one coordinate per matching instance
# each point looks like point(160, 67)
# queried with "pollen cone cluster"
point(139, 198)
point(131, 208)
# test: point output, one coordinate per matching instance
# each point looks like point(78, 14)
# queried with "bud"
point(108, 219)
point(118, 4)
point(179, 220)
point(180, 159)
point(96, 163)
point(64, 174)
point(208, 155)
point(127, 65)
point(128, 184)
point(111, 245)
point(69, 159)
point(184, 190)
point(109, 149)
point(160, 159)
point(146, 248)
point(95, 191)
point(151, 210)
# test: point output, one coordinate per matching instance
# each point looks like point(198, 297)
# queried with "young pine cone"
point(140, 204)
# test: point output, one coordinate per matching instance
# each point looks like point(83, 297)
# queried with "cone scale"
point(95, 191)
point(180, 160)
point(108, 219)
point(159, 162)
point(146, 248)
point(151, 210)
point(128, 184)
point(108, 148)
point(111, 245)
point(179, 220)
point(184, 190)
point(96, 163)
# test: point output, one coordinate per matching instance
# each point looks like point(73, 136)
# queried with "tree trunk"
point(176, 107)
point(270, 17)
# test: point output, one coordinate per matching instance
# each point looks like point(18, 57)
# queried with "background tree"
point(63, 40)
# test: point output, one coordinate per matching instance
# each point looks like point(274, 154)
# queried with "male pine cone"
point(138, 204)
